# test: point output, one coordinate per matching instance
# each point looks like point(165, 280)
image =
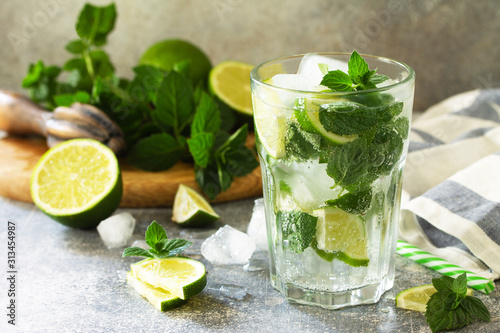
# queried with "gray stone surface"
point(68, 281)
point(451, 44)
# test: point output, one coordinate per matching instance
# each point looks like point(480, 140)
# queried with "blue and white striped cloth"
point(451, 200)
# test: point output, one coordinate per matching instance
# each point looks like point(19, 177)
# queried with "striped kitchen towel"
point(451, 199)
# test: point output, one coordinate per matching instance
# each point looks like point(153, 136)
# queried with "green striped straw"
point(444, 267)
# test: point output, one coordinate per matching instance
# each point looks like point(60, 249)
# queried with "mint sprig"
point(159, 244)
point(358, 77)
point(450, 307)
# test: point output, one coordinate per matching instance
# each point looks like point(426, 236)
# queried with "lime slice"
point(180, 276)
point(342, 236)
point(160, 298)
point(77, 183)
point(191, 209)
point(308, 118)
point(270, 125)
point(167, 53)
point(416, 298)
point(230, 82)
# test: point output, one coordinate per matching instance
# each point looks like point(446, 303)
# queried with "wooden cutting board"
point(18, 156)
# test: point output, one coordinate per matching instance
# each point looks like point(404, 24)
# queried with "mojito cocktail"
point(332, 135)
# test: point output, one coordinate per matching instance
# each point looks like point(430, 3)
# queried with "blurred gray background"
point(453, 45)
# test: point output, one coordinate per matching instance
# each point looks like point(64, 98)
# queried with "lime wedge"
point(160, 298)
point(416, 298)
point(270, 125)
point(180, 276)
point(308, 117)
point(341, 235)
point(191, 209)
point(230, 82)
point(77, 183)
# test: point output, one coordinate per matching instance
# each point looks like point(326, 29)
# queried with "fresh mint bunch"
point(358, 77)
point(165, 117)
point(450, 307)
point(159, 244)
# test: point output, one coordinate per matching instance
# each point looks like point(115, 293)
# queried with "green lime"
point(160, 298)
point(416, 298)
point(182, 277)
point(77, 183)
point(167, 53)
point(230, 82)
point(270, 125)
point(308, 118)
point(191, 209)
point(342, 236)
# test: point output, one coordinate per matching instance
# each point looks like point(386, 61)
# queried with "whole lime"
point(167, 53)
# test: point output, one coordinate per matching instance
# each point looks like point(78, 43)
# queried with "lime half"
point(416, 298)
point(341, 235)
point(77, 183)
point(160, 298)
point(191, 209)
point(230, 82)
point(180, 276)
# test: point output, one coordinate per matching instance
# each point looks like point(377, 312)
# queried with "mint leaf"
point(460, 285)
point(337, 81)
point(136, 252)
point(200, 147)
point(357, 67)
point(146, 83)
point(298, 228)
point(443, 284)
point(207, 117)
point(378, 78)
point(302, 145)
point(155, 153)
point(160, 246)
point(174, 103)
point(172, 247)
point(347, 118)
point(155, 235)
point(476, 308)
point(354, 203)
point(95, 23)
point(75, 46)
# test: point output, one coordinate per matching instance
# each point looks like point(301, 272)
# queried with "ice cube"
point(293, 81)
point(257, 225)
point(116, 230)
point(232, 291)
point(309, 67)
point(228, 246)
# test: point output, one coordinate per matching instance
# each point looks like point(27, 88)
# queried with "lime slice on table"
point(165, 54)
point(77, 183)
point(270, 125)
point(341, 235)
point(230, 82)
point(416, 298)
point(308, 117)
point(160, 298)
point(182, 277)
point(191, 209)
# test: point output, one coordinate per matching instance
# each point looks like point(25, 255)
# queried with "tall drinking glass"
point(331, 169)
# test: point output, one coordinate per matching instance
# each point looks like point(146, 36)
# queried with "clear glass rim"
point(411, 75)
